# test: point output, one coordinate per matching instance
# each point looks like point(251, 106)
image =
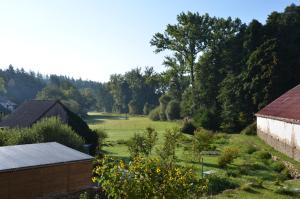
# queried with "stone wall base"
point(280, 145)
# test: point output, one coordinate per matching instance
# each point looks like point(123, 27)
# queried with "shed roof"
point(286, 107)
point(36, 155)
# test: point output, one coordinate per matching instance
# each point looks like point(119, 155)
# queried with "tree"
point(2, 85)
point(187, 39)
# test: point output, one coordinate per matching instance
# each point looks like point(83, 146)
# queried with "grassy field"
point(120, 128)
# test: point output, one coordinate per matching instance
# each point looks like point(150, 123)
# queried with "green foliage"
point(102, 136)
point(133, 107)
point(250, 130)
point(163, 102)
point(218, 183)
point(47, 130)
point(277, 166)
point(142, 144)
point(147, 178)
point(154, 114)
point(206, 118)
point(188, 126)
point(202, 140)
point(171, 142)
point(147, 108)
point(284, 191)
point(173, 110)
point(264, 155)
point(227, 156)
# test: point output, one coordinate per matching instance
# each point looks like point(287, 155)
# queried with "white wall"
point(287, 132)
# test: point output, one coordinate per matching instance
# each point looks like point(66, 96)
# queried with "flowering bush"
point(147, 178)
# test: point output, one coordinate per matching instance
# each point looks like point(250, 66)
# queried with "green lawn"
point(119, 129)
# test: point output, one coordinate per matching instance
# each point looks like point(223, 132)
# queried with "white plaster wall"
point(279, 129)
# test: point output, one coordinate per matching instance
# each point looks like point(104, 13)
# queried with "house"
point(33, 111)
point(7, 104)
point(278, 124)
point(36, 170)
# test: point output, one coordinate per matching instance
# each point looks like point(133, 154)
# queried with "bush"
point(173, 110)
point(142, 144)
point(147, 108)
point(147, 178)
point(154, 114)
point(163, 102)
point(217, 184)
point(133, 107)
point(227, 156)
point(46, 130)
point(187, 127)
point(246, 187)
point(250, 148)
point(171, 141)
point(264, 155)
point(250, 130)
point(102, 135)
point(207, 119)
point(232, 173)
point(202, 140)
point(277, 166)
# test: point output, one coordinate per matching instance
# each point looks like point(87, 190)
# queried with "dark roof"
point(28, 113)
point(286, 107)
point(36, 155)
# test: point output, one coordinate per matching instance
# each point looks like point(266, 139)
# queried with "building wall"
point(283, 136)
point(43, 181)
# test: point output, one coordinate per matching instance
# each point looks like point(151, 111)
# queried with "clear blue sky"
point(93, 39)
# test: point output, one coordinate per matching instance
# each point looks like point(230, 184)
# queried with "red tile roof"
point(287, 106)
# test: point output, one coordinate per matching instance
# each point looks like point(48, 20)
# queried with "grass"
point(120, 128)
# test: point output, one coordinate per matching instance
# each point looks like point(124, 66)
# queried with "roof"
point(28, 113)
point(36, 155)
point(286, 107)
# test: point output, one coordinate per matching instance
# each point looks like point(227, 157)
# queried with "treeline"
point(232, 69)
point(219, 72)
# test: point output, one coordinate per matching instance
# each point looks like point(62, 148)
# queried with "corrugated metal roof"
point(287, 106)
point(33, 155)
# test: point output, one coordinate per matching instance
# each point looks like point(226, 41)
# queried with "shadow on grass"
point(101, 118)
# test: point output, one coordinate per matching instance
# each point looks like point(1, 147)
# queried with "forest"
point(219, 72)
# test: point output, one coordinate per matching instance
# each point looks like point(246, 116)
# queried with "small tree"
point(202, 140)
point(167, 151)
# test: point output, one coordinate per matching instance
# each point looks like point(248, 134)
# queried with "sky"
point(92, 39)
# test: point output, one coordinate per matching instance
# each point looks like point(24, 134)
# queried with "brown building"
point(35, 170)
point(278, 124)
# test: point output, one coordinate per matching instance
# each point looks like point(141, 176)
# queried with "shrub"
point(246, 187)
point(173, 110)
point(250, 130)
point(102, 135)
point(202, 140)
point(147, 178)
point(217, 184)
point(277, 166)
point(142, 144)
point(133, 107)
point(53, 130)
point(187, 127)
point(171, 141)
point(207, 119)
point(46, 130)
point(163, 102)
point(264, 155)
point(227, 156)
point(250, 148)
point(154, 114)
point(147, 108)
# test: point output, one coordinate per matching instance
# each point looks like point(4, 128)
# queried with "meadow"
point(256, 176)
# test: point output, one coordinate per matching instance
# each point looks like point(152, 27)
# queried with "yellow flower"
point(157, 170)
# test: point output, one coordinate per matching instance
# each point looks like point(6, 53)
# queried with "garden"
point(147, 159)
